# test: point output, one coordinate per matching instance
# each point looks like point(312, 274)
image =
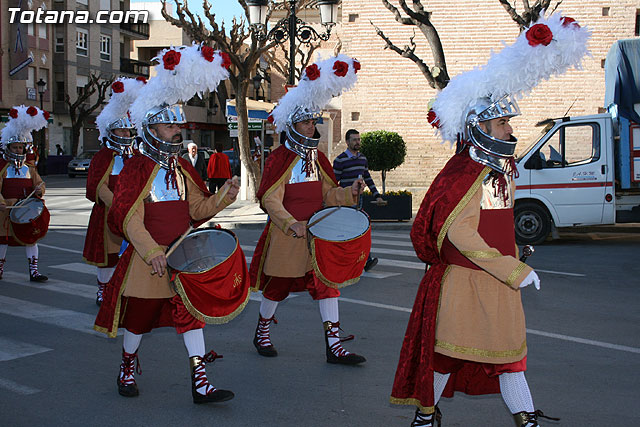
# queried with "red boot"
point(34, 275)
point(126, 382)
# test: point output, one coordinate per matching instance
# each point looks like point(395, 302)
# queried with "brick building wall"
point(392, 94)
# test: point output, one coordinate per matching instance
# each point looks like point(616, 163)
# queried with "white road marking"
point(392, 243)
point(59, 248)
point(379, 274)
point(67, 319)
point(402, 264)
point(375, 233)
point(65, 231)
point(78, 267)
point(17, 388)
point(12, 349)
point(54, 285)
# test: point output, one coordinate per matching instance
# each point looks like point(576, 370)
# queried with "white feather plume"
point(515, 70)
point(119, 104)
point(315, 94)
point(23, 124)
point(192, 75)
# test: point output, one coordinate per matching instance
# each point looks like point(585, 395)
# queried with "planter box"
point(398, 208)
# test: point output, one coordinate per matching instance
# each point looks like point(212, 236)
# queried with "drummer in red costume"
point(101, 246)
point(467, 328)
point(17, 180)
point(297, 181)
point(156, 198)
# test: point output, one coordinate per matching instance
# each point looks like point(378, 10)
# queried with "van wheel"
point(532, 223)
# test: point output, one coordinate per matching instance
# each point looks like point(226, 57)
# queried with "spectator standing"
point(59, 150)
point(350, 165)
point(197, 161)
point(218, 169)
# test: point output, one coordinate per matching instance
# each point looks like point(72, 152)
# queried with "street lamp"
point(42, 163)
point(292, 27)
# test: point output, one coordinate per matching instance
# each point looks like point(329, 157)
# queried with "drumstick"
point(176, 244)
point(323, 217)
point(30, 194)
point(226, 189)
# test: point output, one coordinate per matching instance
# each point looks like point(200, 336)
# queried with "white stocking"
point(515, 392)
point(268, 308)
point(104, 274)
point(32, 251)
point(194, 342)
point(439, 383)
point(131, 342)
point(329, 310)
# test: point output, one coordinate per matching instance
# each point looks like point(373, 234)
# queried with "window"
point(42, 31)
point(105, 4)
point(31, 29)
point(31, 78)
point(105, 48)
point(82, 42)
point(59, 44)
point(60, 93)
point(638, 22)
point(81, 81)
point(572, 146)
point(43, 73)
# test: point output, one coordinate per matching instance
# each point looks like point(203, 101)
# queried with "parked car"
point(79, 165)
point(234, 161)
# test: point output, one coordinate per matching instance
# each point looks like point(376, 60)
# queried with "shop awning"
point(258, 110)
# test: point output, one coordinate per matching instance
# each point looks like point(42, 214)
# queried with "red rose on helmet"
point(356, 66)
point(432, 118)
point(117, 87)
point(13, 113)
point(46, 114)
point(226, 60)
point(312, 72)
point(539, 34)
point(207, 53)
point(340, 68)
point(270, 118)
point(32, 111)
point(566, 21)
point(141, 79)
point(171, 59)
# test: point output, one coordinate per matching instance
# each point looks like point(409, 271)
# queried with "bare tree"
point(279, 59)
point(81, 108)
point(416, 16)
point(530, 13)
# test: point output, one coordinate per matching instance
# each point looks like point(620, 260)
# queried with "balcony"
point(132, 66)
point(138, 31)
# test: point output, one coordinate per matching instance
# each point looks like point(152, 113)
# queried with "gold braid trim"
point(515, 273)
point(279, 181)
point(461, 205)
point(480, 352)
point(157, 249)
point(490, 254)
point(414, 402)
point(116, 316)
point(143, 193)
point(287, 223)
point(105, 228)
point(326, 176)
point(319, 274)
point(202, 317)
point(267, 240)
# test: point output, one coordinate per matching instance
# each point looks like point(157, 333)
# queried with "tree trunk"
point(384, 178)
point(253, 180)
point(75, 138)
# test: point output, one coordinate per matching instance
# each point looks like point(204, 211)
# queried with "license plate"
point(81, 169)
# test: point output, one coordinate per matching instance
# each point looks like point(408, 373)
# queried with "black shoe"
point(215, 396)
point(349, 359)
point(127, 390)
point(427, 420)
point(269, 351)
point(371, 262)
point(38, 277)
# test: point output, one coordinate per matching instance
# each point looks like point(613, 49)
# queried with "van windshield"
point(532, 144)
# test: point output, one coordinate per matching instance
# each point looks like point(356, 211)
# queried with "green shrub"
point(384, 151)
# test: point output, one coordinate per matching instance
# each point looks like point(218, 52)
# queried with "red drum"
point(30, 221)
point(340, 244)
point(209, 272)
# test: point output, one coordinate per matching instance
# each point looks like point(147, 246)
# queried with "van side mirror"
point(534, 162)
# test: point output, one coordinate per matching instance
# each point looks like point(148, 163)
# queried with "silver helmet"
point(153, 147)
point(121, 144)
point(17, 159)
point(487, 149)
point(295, 141)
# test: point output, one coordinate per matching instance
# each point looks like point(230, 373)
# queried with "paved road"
point(583, 335)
